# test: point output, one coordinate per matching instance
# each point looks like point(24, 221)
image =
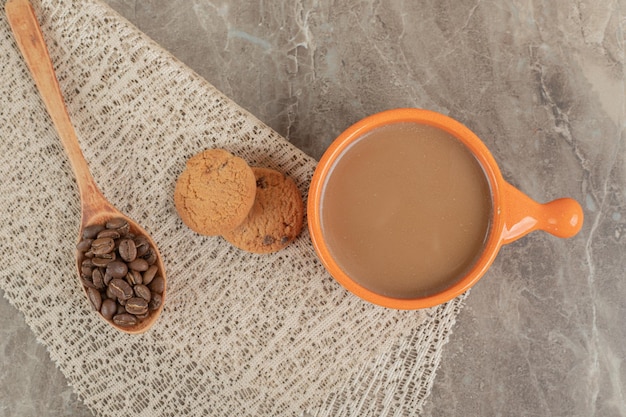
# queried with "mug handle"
point(522, 215)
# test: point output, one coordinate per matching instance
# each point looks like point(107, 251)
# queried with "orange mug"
point(513, 214)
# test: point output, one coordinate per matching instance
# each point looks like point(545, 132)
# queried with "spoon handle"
point(27, 33)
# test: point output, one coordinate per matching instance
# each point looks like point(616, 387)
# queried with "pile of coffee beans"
point(120, 272)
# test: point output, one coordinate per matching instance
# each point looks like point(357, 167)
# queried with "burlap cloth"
point(241, 334)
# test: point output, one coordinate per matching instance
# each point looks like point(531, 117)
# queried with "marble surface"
point(542, 83)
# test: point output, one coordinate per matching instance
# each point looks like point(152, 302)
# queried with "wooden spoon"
point(95, 208)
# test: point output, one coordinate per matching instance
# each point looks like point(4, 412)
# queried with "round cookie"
point(276, 217)
point(215, 192)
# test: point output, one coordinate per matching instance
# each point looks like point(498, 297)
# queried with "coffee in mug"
point(408, 209)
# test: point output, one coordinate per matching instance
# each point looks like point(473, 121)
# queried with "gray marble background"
point(541, 82)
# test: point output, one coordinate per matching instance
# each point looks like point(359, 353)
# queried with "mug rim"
point(431, 118)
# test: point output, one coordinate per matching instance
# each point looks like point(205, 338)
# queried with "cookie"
point(215, 192)
point(276, 216)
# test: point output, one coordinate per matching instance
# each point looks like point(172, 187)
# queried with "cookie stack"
point(258, 210)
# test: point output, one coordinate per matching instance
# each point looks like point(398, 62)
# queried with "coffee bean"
point(113, 234)
point(110, 294)
point(120, 225)
point(150, 256)
point(128, 250)
point(120, 309)
point(149, 275)
point(101, 262)
point(125, 319)
point(90, 232)
point(121, 289)
point(157, 285)
point(86, 269)
point(102, 246)
point(142, 291)
point(155, 301)
point(108, 308)
point(84, 245)
point(87, 282)
point(144, 315)
point(107, 277)
point(136, 306)
point(117, 269)
point(139, 264)
point(125, 230)
point(133, 277)
point(142, 244)
point(111, 255)
point(98, 278)
point(116, 223)
point(95, 298)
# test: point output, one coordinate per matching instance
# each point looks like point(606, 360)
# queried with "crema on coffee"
point(405, 210)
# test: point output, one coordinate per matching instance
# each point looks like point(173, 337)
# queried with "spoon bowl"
point(103, 213)
point(95, 208)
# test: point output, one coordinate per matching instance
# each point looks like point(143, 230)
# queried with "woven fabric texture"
point(241, 334)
